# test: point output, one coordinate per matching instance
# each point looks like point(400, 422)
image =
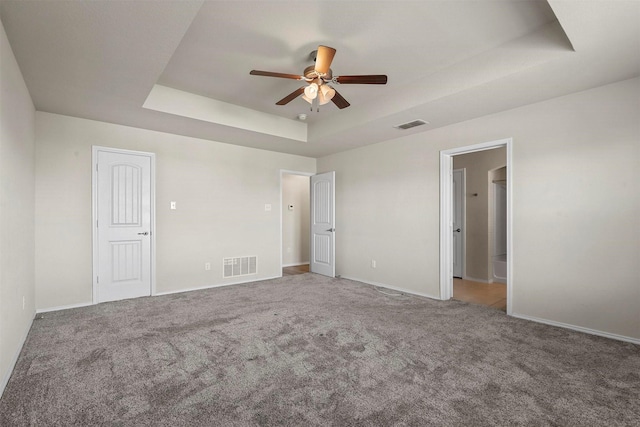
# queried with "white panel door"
point(123, 226)
point(458, 220)
point(323, 224)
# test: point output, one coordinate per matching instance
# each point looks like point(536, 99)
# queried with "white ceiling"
point(447, 61)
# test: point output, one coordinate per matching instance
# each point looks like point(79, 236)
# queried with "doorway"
point(123, 224)
point(295, 220)
point(320, 217)
point(477, 272)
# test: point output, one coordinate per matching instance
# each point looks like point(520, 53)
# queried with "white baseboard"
point(394, 288)
point(14, 359)
point(520, 316)
point(85, 304)
point(215, 286)
point(579, 328)
point(63, 307)
point(368, 282)
point(295, 264)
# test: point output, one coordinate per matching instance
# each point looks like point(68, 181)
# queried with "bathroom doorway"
point(485, 226)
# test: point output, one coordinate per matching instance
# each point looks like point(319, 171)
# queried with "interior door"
point(323, 224)
point(123, 225)
point(458, 220)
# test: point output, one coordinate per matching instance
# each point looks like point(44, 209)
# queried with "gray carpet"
point(307, 350)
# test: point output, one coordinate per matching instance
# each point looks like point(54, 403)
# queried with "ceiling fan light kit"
point(318, 76)
point(327, 92)
point(311, 91)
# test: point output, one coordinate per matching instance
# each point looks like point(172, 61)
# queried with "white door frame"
point(446, 215)
point(94, 213)
point(287, 172)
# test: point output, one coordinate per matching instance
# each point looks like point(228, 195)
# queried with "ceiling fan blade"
point(293, 95)
point(324, 56)
point(339, 101)
point(374, 79)
point(271, 74)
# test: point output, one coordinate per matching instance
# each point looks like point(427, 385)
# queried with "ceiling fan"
point(318, 77)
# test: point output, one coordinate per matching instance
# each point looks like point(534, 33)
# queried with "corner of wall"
point(17, 210)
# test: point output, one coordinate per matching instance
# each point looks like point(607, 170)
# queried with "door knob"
point(331, 230)
point(457, 231)
point(146, 233)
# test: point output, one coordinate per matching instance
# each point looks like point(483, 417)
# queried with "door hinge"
point(97, 279)
point(96, 223)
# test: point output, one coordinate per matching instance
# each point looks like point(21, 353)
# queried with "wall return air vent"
point(411, 124)
point(239, 266)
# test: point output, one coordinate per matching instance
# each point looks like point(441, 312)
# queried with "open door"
point(323, 224)
point(458, 221)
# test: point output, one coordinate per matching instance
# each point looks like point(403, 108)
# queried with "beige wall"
point(295, 223)
point(220, 189)
point(477, 166)
point(576, 207)
point(16, 210)
point(386, 197)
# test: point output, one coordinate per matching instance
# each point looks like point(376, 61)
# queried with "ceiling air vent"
point(411, 124)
